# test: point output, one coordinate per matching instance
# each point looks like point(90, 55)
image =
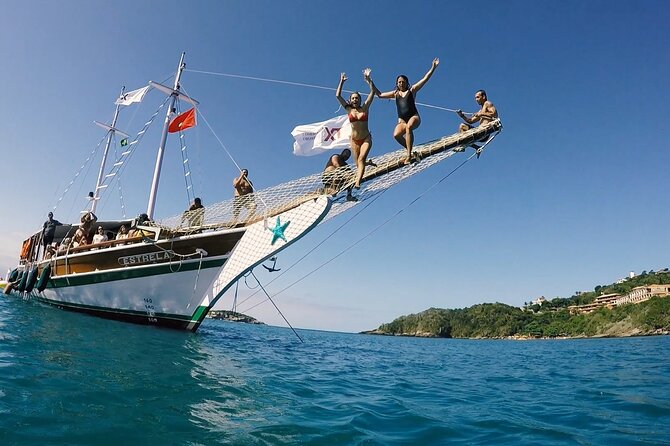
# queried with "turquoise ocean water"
point(70, 379)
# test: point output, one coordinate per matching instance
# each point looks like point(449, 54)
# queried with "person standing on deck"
point(408, 115)
point(49, 230)
point(243, 196)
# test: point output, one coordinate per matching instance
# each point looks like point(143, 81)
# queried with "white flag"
point(132, 96)
point(314, 139)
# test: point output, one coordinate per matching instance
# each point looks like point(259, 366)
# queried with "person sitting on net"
point(337, 174)
point(486, 114)
point(195, 214)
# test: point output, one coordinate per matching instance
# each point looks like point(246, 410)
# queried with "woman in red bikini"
point(408, 115)
point(361, 138)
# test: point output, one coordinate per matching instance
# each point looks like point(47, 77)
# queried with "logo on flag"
point(183, 121)
point(317, 138)
point(132, 96)
point(124, 142)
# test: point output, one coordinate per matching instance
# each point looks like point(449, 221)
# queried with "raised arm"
point(238, 181)
point(416, 87)
point(373, 89)
point(338, 93)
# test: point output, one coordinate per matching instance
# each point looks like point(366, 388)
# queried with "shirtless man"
point(243, 195)
point(485, 115)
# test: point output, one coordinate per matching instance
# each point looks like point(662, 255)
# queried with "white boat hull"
point(179, 294)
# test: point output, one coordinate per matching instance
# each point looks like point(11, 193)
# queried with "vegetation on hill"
point(232, 316)
point(622, 288)
point(552, 319)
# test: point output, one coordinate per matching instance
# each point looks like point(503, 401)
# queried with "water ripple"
point(77, 380)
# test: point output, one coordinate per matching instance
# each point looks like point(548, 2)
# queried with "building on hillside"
point(605, 300)
point(642, 293)
point(539, 301)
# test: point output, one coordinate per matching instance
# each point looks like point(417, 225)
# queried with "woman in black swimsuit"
point(408, 115)
point(361, 138)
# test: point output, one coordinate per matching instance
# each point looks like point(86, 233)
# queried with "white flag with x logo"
point(313, 139)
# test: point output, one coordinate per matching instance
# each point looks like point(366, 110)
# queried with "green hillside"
point(552, 319)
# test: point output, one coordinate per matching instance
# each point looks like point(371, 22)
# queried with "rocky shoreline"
point(232, 316)
point(611, 333)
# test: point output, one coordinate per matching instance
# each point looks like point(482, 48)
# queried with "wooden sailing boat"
point(170, 272)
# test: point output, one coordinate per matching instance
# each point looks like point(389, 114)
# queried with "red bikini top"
point(362, 117)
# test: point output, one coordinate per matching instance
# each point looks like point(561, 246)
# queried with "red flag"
point(183, 121)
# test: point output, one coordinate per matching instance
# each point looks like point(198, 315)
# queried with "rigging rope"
point(384, 223)
point(276, 307)
point(120, 163)
point(76, 175)
point(190, 191)
point(299, 84)
point(123, 205)
point(318, 245)
point(211, 129)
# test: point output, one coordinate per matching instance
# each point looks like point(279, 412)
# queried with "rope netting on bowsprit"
point(390, 169)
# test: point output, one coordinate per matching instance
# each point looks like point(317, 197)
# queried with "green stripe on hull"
point(129, 273)
point(199, 312)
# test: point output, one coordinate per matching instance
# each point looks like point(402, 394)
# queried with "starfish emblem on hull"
point(278, 231)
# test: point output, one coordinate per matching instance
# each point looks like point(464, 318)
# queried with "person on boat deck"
point(50, 252)
point(64, 245)
point(141, 220)
point(81, 235)
point(361, 138)
point(243, 195)
point(100, 236)
point(49, 230)
point(123, 233)
point(408, 115)
point(486, 114)
point(335, 178)
point(195, 214)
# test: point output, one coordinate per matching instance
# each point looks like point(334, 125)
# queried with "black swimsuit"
point(406, 107)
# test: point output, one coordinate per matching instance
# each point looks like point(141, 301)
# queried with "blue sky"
point(572, 194)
